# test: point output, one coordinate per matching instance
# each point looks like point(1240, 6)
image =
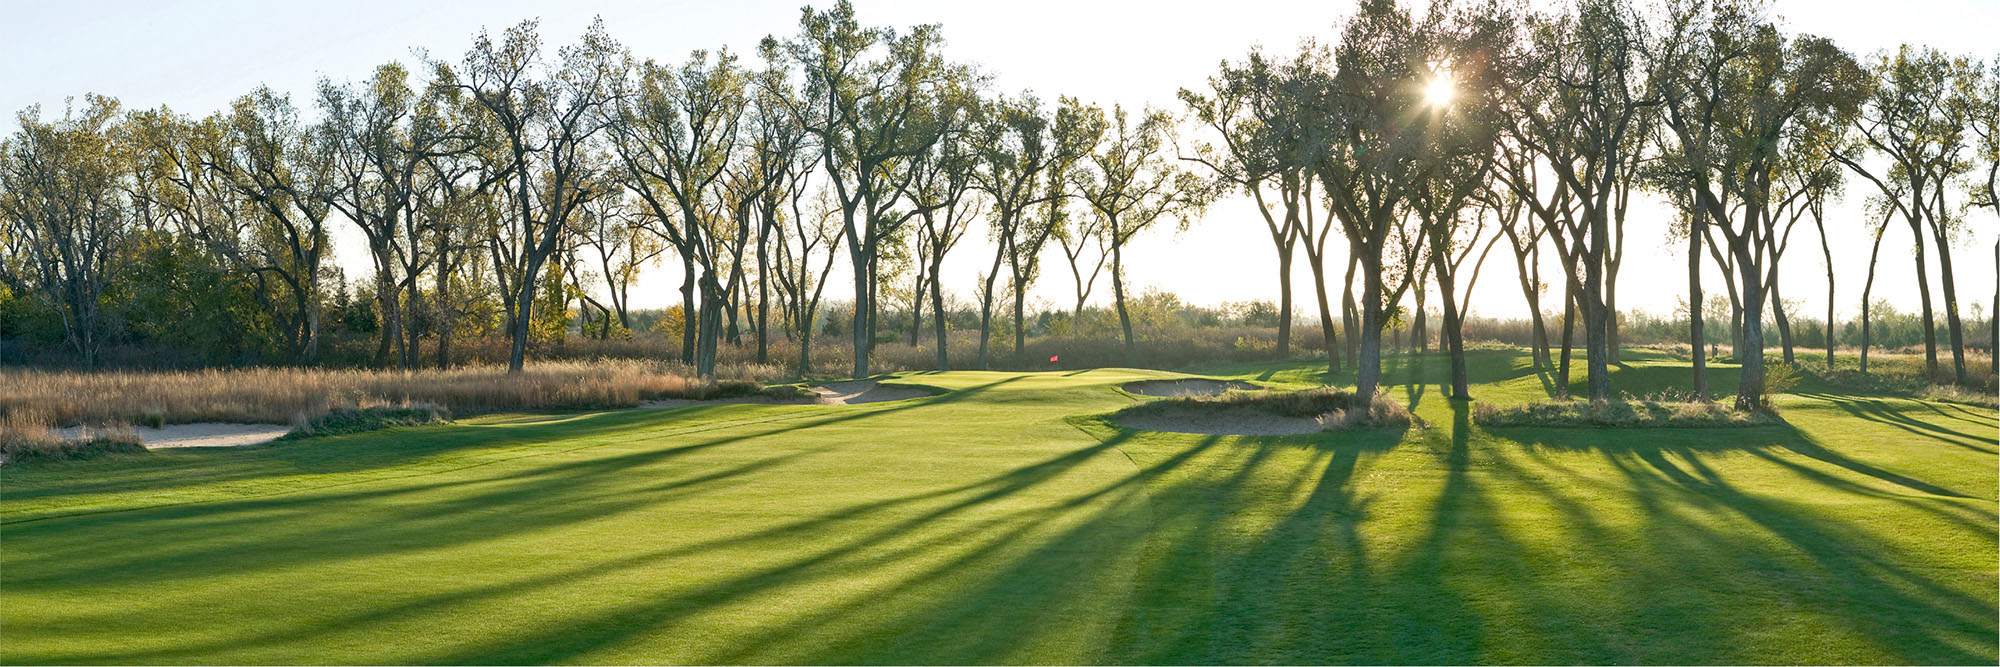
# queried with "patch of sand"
point(212, 434)
point(1185, 387)
point(1233, 421)
point(864, 391)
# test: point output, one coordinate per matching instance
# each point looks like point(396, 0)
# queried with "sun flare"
point(1439, 92)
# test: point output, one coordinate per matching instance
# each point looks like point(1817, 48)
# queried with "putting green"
point(1000, 523)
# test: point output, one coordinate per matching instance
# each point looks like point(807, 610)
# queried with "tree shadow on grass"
point(1891, 412)
point(1344, 548)
point(209, 534)
point(1902, 609)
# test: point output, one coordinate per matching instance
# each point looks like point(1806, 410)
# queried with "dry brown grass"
point(26, 437)
point(1333, 407)
point(1632, 413)
point(291, 396)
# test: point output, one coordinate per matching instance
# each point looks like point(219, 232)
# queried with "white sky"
point(197, 55)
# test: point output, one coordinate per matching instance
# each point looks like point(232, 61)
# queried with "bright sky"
point(196, 55)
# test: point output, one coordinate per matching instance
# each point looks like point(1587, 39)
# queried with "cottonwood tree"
point(64, 210)
point(1464, 131)
point(1582, 96)
point(783, 159)
point(1916, 117)
point(1020, 151)
point(621, 245)
point(801, 276)
point(1740, 96)
point(1130, 185)
point(381, 133)
point(875, 98)
point(544, 116)
point(1368, 110)
point(1280, 133)
point(283, 170)
point(675, 134)
point(1239, 157)
point(945, 196)
point(1983, 104)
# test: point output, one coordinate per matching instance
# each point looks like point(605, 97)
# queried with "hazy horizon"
point(196, 57)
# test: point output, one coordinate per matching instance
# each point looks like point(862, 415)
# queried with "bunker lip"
point(1186, 387)
point(844, 392)
point(850, 392)
point(201, 434)
point(1229, 421)
point(755, 400)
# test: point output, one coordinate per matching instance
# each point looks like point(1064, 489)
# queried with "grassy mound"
point(369, 419)
point(1335, 408)
point(1621, 414)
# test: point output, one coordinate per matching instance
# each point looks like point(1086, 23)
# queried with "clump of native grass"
point(295, 395)
point(369, 419)
point(1333, 407)
point(1655, 411)
point(26, 438)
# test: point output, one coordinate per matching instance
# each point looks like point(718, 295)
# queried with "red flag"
point(1054, 358)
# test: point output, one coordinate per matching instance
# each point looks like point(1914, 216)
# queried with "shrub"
point(1341, 408)
point(1629, 413)
point(368, 419)
point(1778, 378)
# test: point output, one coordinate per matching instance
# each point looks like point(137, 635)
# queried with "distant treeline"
point(509, 198)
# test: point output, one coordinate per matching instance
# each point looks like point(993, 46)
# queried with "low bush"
point(1341, 408)
point(368, 419)
point(1630, 413)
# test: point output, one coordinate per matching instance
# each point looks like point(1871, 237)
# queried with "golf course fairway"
point(1004, 521)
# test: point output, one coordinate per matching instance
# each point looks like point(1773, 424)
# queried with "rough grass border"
point(1628, 413)
point(1380, 411)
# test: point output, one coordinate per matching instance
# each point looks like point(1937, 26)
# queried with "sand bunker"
point(864, 391)
point(198, 435)
point(1185, 387)
point(1236, 421)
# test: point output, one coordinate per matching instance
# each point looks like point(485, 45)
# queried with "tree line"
point(497, 190)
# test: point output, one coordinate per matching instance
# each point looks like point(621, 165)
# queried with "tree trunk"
point(1020, 323)
point(986, 308)
point(1569, 327)
point(1866, 289)
point(1953, 324)
point(1285, 302)
point(937, 316)
point(1316, 261)
point(1350, 319)
point(1784, 323)
point(1826, 250)
point(1924, 294)
point(1118, 299)
point(1749, 389)
point(1594, 343)
point(1420, 334)
point(860, 253)
point(1452, 337)
point(1530, 279)
point(917, 307)
point(688, 316)
point(763, 294)
point(1697, 341)
point(1368, 371)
